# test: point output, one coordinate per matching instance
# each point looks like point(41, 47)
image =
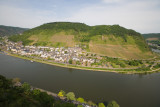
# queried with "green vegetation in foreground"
point(71, 96)
point(98, 39)
point(142, 69)
point(23, 96)
point(12, 95)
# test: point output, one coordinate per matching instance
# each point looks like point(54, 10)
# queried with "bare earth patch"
point(67, 39)
point(150, 39)
point(121, 51)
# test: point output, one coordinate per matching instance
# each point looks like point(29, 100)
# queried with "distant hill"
point(152, 36)
point(8, 30)
point(109, 40)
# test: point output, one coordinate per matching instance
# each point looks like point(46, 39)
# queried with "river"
point(135, 90)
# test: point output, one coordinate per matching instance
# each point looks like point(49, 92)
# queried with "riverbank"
point(123, 71)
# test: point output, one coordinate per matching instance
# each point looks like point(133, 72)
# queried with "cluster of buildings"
point(71, 55)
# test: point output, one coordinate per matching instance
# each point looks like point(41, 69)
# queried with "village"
point(71, 55)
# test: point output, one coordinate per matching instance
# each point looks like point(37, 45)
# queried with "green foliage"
point(36, 92)
point(81, 100)
point(79, 106)
point(8, 30)
point(82, 33)
point(16, 96)
point(84, 38)
point(70, 61)
point(45, 99)
point(113, 104)
point(26, 87)
point(114, 65)
point(62, 104)
point(135, 62)
point(13, 96)
point(156, 66)
point(41, 43)
point(101, 105)
point(70, 96)
point(143, 68)
point(17, 38)
point(122, 63)
point(61, 93)
point(77, 62)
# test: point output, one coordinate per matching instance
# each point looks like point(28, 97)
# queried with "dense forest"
point(9, 31)
point(14, 96)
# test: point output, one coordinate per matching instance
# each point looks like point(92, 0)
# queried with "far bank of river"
point(115, 70)
point(136, 90)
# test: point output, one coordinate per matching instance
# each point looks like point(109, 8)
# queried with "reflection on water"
point(137, 90)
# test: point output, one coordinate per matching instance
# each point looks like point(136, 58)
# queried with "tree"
point(70, 96)
point(45, 99)
point(65, 52)
point(101, 105)
point(113, 104)
point(61, 93)
point(26, 87)
point(79, 106)
point(70, 61)
point(36, 92)
point(81, 100)
point(77, 62)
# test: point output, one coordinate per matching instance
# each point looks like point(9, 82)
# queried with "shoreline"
point(122, 71)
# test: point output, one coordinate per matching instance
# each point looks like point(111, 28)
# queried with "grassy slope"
point(114, 40)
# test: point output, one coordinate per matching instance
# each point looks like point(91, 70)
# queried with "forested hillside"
point(110, 40)
point(152, 36)
point(8, 30)
point(24, 96)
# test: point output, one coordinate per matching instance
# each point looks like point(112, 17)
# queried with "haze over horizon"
point(140, 15)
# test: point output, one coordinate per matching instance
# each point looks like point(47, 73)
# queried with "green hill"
point(8, 30)
point(109, 40)
point(152, 36)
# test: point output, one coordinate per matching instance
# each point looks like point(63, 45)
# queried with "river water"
point(128, 90)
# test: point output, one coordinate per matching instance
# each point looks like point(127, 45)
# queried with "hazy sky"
point(140, 15)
